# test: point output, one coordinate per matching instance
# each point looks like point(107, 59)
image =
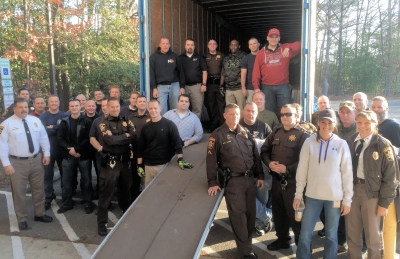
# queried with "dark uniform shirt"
point(284, 146)
point(231, 70)
point(193, 68)
point(118, 142)
point(234, 150)
point(214, 64)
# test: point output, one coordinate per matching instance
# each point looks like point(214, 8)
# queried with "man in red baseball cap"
point(271, 70)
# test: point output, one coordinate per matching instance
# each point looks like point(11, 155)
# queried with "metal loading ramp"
point(171, 218)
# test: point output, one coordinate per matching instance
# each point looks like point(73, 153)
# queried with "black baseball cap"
point(327, 114)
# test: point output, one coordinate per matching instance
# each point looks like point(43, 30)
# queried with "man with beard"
point(230, 75)
point(195, 70)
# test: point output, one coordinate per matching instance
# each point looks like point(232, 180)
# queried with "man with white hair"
point(360, 99)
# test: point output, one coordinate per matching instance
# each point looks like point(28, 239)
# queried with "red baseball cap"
point(274, 31)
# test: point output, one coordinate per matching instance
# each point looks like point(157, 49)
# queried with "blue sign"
point(5, 71)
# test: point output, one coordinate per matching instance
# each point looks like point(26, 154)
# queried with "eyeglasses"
point(287, 114)
point(347, 104)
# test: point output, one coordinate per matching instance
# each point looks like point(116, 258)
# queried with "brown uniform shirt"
point(233, 150)
point(214, 63)
point(284, 146)
point(118, 142)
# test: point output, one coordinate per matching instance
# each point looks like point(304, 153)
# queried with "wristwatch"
point(203, 84)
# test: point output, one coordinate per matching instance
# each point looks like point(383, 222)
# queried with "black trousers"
point(240, 197)
point(135, 180)
point(282, 209)
point(121, 176)
point(216, 103)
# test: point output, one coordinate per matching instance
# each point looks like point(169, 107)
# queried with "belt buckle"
point(359, 181)
point(30, 157)
point(247, 173)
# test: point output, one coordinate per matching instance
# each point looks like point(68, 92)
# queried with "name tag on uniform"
point(336, 204)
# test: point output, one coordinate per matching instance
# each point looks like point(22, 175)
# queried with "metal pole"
point(53, 89)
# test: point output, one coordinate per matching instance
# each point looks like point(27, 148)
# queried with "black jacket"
point(165, 69)
point(82, 131)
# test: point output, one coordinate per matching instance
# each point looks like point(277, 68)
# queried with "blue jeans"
point(310, 217)
point(168, 94)
point(49, 175)
point(263, 213)
point(276, 97)
point(70, 166)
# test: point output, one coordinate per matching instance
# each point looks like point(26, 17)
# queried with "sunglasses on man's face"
point(287, 114)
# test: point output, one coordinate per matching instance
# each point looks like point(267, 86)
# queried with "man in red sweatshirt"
point(271, 70)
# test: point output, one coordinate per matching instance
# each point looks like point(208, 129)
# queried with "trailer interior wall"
point(224, 20)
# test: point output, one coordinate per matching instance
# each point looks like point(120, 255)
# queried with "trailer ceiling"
point(256, 17)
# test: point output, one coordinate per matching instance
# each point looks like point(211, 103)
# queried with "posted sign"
point(6, 82)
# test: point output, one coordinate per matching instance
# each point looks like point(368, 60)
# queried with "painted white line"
point(82, 250)
point(18, 252)
point(111, 215)
point(11, 213)
point(211, 252)
point(64, 223)
point(254, 241)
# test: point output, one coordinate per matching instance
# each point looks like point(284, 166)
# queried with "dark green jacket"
point(380, 169)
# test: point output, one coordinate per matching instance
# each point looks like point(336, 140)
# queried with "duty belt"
point(28, 157)
point(360, 181)
point(213, 80)
point(248, 173)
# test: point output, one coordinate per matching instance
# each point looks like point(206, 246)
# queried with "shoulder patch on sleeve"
point(102, 127)
point(1, 129)
point(211, 142)
point(388, 153)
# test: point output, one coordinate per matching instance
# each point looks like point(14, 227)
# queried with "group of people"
point(122, 142)
point(344, 169)
point(224, 79)
point(342, 166)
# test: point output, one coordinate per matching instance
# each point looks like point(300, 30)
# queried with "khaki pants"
point(196, 98)
point(32, 171)
point(151, 172)
point(363, 215)
point(249, 98)
point(236, 97)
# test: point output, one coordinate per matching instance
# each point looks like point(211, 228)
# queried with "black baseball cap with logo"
point(327, 114)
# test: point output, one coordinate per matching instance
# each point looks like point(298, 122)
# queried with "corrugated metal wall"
point(182, 19)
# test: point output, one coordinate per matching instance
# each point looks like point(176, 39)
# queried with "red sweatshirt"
point(271, 68)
